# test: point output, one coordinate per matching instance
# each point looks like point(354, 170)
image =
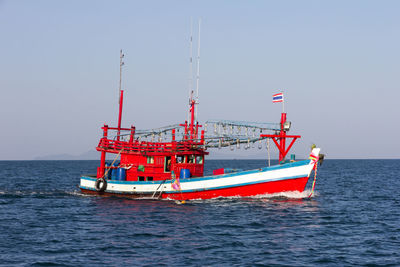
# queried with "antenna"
point(198, 70)
point(121, 93)
point(121, 63)
point(191, 64)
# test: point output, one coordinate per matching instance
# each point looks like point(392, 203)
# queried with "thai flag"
point(277, 98)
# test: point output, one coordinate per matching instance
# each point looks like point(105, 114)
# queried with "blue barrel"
point(121, 174)
point(113, 174)
point(185, 173)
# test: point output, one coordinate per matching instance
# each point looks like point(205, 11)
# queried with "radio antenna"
point(191, 64)
point(121, 63)
point(121, 93)
point(198, 71)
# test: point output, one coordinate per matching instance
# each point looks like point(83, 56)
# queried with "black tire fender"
point(101, 184)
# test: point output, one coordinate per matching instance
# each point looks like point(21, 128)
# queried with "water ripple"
point(352, 220)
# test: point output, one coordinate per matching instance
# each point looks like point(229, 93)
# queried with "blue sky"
point(338, 63)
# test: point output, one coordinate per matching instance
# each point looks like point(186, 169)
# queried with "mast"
point(194, 100)
point(190, 65)
point(198, 70)
point(121, 93)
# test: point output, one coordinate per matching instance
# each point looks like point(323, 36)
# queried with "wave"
point(32, 193)
point(289, 195)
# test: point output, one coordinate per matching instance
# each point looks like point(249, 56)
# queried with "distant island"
point(90, 155)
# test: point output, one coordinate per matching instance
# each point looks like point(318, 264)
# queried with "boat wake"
point(287, 195)
point(40, 194)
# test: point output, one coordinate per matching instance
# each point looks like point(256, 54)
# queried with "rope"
point(315, 179)
point(105, 174)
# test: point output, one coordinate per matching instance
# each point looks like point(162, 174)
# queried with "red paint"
point(280, 139)
point(192, 107)
point(298, 184)
point(101, 169)
point(219, 171)
point(133, 129)
point(121, 101)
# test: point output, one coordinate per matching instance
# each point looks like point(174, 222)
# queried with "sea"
point(353, 219)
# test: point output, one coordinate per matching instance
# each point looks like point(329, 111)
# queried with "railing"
point(138, 146)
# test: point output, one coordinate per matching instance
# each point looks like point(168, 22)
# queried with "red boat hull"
point(287, 185)
point(297, 184)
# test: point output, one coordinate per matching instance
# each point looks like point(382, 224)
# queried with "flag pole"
point(283, 103)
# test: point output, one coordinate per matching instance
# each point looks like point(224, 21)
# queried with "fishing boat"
point(168, 162)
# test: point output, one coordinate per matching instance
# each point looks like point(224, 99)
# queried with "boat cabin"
point(152, 161)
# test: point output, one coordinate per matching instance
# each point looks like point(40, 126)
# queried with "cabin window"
point(167, 164)
point(140, 178)
point(191, 159)
point(199, 159)
point(180, 159)
point(149, 178)
point(150, 160)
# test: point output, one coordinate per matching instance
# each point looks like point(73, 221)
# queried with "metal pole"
point(121, 63)
point(198, 69)
point(121, 98)
point(121, 93)
point(190, 64)
point(269, 156)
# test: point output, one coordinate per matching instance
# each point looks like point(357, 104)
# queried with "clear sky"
point(338, 63)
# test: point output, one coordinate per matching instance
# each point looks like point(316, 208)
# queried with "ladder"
point(157, 194)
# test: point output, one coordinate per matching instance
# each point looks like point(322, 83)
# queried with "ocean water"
point(353, 220)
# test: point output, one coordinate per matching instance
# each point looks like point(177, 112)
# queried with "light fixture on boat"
point(248, 144)
point(286, 125)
